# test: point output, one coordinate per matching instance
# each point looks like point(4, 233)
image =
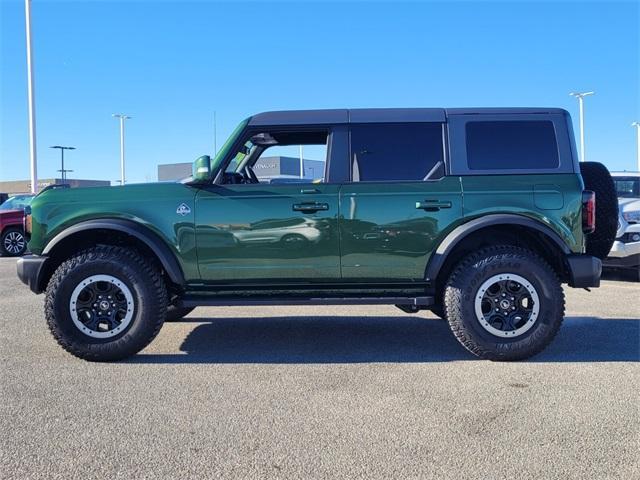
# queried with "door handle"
point(432, 205)
point(310, 207)
point(306, 191)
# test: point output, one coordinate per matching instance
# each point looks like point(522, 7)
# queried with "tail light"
point(588, 211)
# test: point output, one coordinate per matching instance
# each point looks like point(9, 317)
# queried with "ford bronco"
point(477, 214)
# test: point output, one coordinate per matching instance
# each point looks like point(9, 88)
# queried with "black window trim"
point(250, 130)
point(445, 154)
point(458, 144)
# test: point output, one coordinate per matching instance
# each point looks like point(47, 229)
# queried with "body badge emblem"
point(183, 209)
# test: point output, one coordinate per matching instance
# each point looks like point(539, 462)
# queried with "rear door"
point(399, 203)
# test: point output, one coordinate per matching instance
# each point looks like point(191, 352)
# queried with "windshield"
point(627, 187)
point(17, 203)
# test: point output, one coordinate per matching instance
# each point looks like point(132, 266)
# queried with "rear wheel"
point(597, 178)
point(105, 303)
point(504, 303)
point(13, 243)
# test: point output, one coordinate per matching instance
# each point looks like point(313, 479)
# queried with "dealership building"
point(15, 187)
point(266, 168)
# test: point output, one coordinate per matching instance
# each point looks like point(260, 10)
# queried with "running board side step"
point(202, 301)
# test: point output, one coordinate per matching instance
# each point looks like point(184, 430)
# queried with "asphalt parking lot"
point(323, 392)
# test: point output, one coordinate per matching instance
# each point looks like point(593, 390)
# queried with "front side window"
point(511, 145)
point(279, 157)
point(396, 152)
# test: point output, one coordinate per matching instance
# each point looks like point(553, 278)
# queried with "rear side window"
point(511, 145)
point(396, 152)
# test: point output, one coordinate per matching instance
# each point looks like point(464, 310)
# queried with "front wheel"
point(504, 303)
point(105, 303)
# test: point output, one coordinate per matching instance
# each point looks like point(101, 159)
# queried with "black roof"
point(382, 115)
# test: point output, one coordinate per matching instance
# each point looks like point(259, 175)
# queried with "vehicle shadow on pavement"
point(334, 339)
point(620, 275)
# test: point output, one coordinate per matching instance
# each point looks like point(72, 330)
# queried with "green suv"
point(478, 215)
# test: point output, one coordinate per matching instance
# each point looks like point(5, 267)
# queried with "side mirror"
point(201, 170)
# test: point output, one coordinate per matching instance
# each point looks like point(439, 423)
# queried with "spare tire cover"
point(597, 178)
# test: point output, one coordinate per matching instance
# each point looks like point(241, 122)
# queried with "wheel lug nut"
point(504, 294)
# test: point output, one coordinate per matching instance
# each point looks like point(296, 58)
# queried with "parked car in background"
point(12, 238)
point(625, 253)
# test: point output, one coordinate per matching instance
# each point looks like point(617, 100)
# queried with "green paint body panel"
point(553, 200)
point(386, 236)
point(360, 232)
point(151, 205)
point(252, 232)
point(369, 232)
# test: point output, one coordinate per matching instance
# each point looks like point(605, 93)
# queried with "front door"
point(399, 202)
point(259, 232)
point(272, 217)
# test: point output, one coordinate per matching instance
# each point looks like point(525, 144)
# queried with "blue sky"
point(171, 64)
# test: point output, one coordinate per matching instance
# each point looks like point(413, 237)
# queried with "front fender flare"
point(166, 257)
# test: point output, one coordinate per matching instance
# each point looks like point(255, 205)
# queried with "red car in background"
point(12, 238)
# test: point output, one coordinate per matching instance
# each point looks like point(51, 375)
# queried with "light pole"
point(637, 125)
point(301, 161)
point(62, 169)
point(122, 118)
point(31, 101)
point(580, 96)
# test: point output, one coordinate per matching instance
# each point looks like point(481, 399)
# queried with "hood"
point(128, 192)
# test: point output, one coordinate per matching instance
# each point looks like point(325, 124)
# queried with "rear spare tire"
point(598, 179)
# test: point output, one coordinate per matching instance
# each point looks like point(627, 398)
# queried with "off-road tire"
point(141, 278)
point(597, 178)
point(465, 282)
point(176, 313)
point(5, 235)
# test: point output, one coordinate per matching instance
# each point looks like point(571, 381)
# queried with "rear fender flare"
point(441, 253)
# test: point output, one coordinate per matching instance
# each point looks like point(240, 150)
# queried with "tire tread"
point(453, 302)
point(108, 253)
